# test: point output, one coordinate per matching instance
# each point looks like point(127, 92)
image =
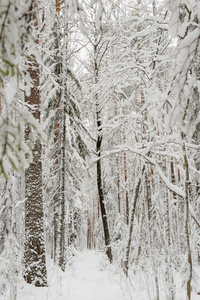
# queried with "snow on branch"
point(144, 153)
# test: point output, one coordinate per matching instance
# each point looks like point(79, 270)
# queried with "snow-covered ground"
point(90, 277)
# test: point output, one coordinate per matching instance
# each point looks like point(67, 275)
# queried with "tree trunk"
point(34, 255)
point(140, 237)
point(189, 254)
point(137, 189)
point(101, 196)
point(99, 175)
point(169, 273)
point(126, 188)
point(187, 204)
point(150, 238)
point(62, 249)
point(57, 139)
point(118, 172)
point(173, 178)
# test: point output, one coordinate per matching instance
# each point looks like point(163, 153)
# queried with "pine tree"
point(66, 147)
point(34, 253)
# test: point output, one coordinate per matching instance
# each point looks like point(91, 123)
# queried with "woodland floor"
point(89, 277)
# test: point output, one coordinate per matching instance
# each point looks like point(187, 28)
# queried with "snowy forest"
point(99, 149)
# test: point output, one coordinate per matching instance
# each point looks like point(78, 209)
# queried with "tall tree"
point(97, 62)
point(34, 253)
point(184, 23)
point(65, 147)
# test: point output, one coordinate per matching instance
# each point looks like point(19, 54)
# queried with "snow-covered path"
point(90, 280)
point(91, 277)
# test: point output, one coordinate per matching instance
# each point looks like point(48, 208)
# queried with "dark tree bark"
point(187, 233)
point(101, 196)
point(187, 205)
point(34, 253)
point(98, 151)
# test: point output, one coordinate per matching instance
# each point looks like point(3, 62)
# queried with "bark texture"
point(34, 255)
